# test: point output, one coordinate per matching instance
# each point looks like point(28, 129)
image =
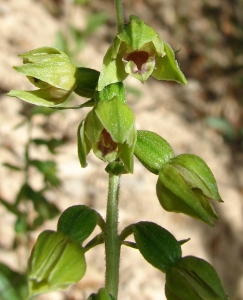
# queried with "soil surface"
point(206, 33)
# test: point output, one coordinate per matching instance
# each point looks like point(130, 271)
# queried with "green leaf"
point(152, 150)
point(12, 167)
point(77, 222)
point(10, 207)
point(193, 278)
point(48, 169)
point(13, 285)
point(167, 67)
point(51, 144)
point(157, 245)
point(87, 80)
point(117, 118)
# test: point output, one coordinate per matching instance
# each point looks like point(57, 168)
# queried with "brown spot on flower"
point(138, 57)
point(106, 145)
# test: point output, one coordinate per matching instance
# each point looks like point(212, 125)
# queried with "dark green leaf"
point(157, 245)
point(77, 222)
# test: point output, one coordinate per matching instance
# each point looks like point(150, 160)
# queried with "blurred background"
point(40, 175)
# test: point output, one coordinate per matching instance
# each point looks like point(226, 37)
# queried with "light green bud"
point(55, 263)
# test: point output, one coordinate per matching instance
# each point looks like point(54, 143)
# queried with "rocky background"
point(203, 118)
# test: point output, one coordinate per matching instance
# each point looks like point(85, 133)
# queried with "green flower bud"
point(109, 129)
point(55, 263)
point(51, 71)
point(139, 51)
point(193, 278)
point(186, 184)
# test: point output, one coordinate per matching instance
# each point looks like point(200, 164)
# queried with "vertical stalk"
point(112, 242)
point(119, 15)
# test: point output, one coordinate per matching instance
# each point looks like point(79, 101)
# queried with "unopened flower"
point(109, 130)
point(186, 185)
point(139, 51)
point(56, 262)
point(51, 71)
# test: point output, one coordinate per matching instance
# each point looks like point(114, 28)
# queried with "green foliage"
point(78, 222)
point(157, 245)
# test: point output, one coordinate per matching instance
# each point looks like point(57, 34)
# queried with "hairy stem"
point(119, 15)
point(112, 242)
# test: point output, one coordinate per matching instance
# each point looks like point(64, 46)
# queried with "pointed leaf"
point(157, 245)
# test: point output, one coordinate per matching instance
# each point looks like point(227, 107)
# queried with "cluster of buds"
point(185, 183)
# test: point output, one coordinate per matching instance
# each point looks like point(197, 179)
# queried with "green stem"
point(119, 15)
point(112, 242)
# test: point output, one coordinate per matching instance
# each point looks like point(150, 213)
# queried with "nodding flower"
point(139, 51)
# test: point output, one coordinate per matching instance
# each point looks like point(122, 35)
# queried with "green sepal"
point(167, 67)
point(111, 91)
point(93, 126)
point(55, 263)
point(126, 150)
point(193, 278)
point(117, 118)
point(77, 222)
point(136, 33)
point(152, 150)
point(157, 245)
point(84, 145)
point(42, 53)
point(176, 196)
point(86, 82)
point(112, 69)
point(41, 97)
point(197, 175)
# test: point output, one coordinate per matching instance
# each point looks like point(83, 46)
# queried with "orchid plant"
point(185, 183)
